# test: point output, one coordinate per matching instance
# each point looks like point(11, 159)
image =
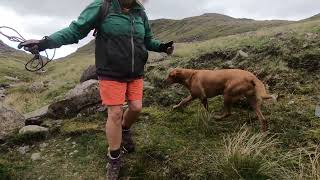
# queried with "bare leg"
point(184, 102)
point(132, 113)
point(256, 105)
point(113, 127)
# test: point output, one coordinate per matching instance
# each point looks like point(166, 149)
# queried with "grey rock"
point(32, 129)
point(37, 87)
point(36, 156)
point(317, 113)
point(43, 145)
point(42, 112)
point(89, 74)
point(23, 150)
point(81, 97)
point(243, 54)
point(10, 121)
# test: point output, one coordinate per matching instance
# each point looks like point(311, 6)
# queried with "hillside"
point(189, 143)
point(207, 26)
point(12, 63)
point(200, 28)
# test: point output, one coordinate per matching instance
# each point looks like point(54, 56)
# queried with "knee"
point(115, 114)
point(135, 107)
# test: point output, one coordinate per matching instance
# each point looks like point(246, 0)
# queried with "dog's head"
point(175, 76)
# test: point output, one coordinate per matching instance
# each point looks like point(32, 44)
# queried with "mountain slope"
point(207, 26)
point(200, 28)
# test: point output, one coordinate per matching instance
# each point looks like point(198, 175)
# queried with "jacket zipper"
point(132, 44)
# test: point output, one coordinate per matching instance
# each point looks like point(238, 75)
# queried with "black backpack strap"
point(104, 10)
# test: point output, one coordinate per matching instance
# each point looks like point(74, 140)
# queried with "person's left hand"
point(167, 47)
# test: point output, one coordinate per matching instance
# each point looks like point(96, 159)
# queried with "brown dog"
point(233, 84)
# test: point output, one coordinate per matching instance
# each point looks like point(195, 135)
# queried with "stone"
point(23, 150)
point(40, 113)
point(317, 113)
point(32, 129)
point(291, 102)
point(243, 54)
point(43, 145)
point(36, 156)
point(37, 87)
point(81, 97)
point(10, 121)
point(89, 74)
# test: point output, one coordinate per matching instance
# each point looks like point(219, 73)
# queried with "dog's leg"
point(226, 109)
point(205, 104)
point(184, 102)
point(256, 104)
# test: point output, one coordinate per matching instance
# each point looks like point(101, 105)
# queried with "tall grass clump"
point(248, 155)
point(309, 165)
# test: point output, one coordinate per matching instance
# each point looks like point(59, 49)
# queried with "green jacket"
point(121, 43)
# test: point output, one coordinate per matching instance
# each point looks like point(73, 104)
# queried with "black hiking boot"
point(127, 142)
point(113, 168)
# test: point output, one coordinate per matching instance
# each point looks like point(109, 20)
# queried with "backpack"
point(104, 10)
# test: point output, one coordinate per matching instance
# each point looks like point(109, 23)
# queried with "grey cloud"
point(263, 9)
point(57, 8)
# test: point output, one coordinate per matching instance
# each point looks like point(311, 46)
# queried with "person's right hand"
point(34, 46)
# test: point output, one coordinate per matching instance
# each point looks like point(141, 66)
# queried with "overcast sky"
point(38, 18)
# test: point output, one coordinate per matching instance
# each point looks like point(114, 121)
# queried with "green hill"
point(190, 144)
point(207, 26)
point(201, 28)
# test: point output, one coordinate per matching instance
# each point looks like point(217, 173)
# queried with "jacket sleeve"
point(79, 29)
point(151, 43)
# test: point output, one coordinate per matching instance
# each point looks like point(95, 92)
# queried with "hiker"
point(122, 39)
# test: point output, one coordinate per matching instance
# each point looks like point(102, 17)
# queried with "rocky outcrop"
point(10, 121)
point(89, 74)
point(81, 97)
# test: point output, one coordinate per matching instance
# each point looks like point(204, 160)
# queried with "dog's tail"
point(261, 91)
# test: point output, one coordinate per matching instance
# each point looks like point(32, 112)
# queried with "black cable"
point(37, 62)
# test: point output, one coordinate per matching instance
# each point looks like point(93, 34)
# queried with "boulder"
point(89, 74)
point(33, 129)
point(40, 113)
point(81, 97)
point(10, 121)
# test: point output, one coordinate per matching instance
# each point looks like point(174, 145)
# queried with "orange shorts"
point(114, 93)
